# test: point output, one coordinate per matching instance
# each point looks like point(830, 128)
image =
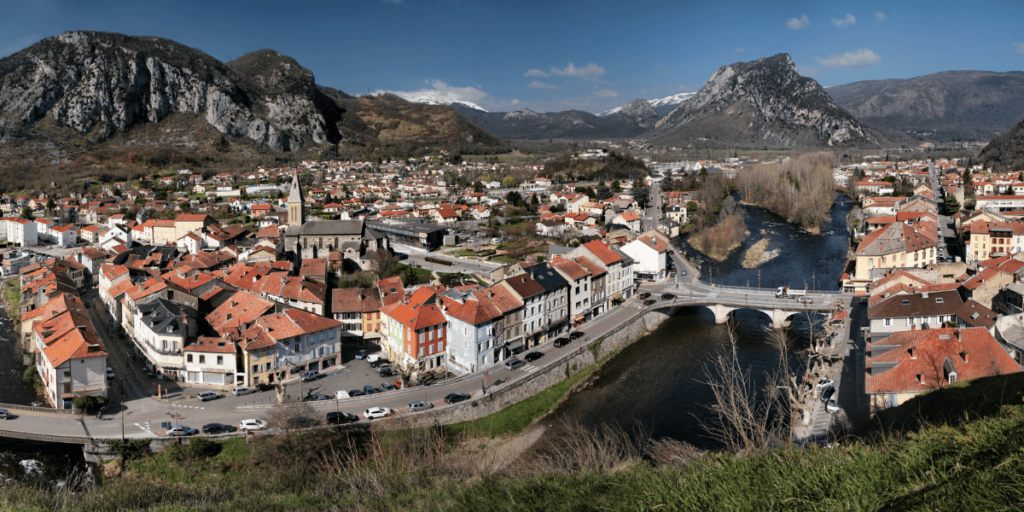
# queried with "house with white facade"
point(471, 329)
point(210, 360)
point(650, 255)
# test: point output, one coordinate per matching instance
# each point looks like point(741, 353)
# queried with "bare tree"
point(383, 263)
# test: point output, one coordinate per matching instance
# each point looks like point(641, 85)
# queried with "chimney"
point(964, 356)
point(958, 334)
point(912, 351)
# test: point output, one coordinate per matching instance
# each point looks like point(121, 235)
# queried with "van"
point(372, 358)
point(341, 394)
point(310, 375)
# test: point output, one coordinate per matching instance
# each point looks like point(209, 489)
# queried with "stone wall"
point(504, 396)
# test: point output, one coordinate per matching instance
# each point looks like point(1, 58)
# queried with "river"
point(658, 381)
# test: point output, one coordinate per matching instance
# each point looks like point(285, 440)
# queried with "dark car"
point(216, 428)
point(532, 356)
point(454, 398)
point(644, 295)
point(361, 354)
point(380, 362)
point(341, 418)
point(315, 398)
point(827, 394)
point(668, 296)
point(261, 387)
point(649, 302)
point(576, 334)
point(356, 392)
point(561, 342)
point(369, 390)
point(385, 371)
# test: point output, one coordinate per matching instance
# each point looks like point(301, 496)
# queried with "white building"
point(210, 361)
point(471, 332)
point(650, 257)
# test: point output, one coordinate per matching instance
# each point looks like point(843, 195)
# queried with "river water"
point(658, 381)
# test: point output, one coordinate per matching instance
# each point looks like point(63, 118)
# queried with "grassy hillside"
point(973, 460)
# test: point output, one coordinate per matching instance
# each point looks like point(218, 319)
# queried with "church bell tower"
point(296, 206)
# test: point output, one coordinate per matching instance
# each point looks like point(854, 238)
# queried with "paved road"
point(467, 267)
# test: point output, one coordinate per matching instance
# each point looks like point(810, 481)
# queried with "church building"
point(319, 238)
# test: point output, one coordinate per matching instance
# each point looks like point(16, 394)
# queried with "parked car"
point(361, 354)
point(513, 364)
point(649, 302)
point(215, 428)
point(385, 371)
point(373, 358)
point(561, 342)
point(4, 415)
point(369, 390)
point(419, 405)
point(824, 383)
point(110, 373)
point(384, 386)
point(644, 295)
point(377, 412)
point(454, 398)
point(180, 431)
point(831, 407)
point(576, 334)
point(355, 392)
point(208, 395)
point(319, 397)
point(261, 387)
point(310, 375)
point(341, 418)
point(252, 424)
point(667, 296)
point(533, 356)
point(827, 394)
point(379, 362)
point(241, 391)
point(341, 394)
point(495, 240)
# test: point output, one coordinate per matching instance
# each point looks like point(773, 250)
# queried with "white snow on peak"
point(434, 100)
point(675, 99)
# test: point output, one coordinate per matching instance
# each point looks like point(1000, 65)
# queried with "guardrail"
point(49, 438)
point(44, 410)
point(685, 301)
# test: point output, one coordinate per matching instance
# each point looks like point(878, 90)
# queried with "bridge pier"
point(780, 318)
point(721, 313)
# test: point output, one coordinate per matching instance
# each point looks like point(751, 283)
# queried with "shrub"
point(130, 449)
point(89, 404)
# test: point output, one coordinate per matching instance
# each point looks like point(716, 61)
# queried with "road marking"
point(530, 368)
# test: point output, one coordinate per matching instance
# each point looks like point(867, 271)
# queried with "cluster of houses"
point(932, 321)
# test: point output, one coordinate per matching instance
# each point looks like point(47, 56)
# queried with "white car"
point(377, 412)
point(180, 430)
point(495, 240)
point(208, 395)
point(241, 391)
point(824, 383)
point(110, 373)
point(420, 405)
point(252, 424)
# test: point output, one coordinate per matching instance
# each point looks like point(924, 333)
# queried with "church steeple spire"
point(296, 206)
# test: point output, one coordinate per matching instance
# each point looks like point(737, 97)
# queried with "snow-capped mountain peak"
point(434, 100)
point(674, 100)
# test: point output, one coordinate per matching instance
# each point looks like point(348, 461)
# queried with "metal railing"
point(45, 410)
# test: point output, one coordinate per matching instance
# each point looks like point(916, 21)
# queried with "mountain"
point(1005, 152)
point(434, 100)
point(763, 103)
point(946, 106)
point(83, 88)
point(661, 106)
point(569, 124)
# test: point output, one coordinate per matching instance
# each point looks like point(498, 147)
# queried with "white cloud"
point(440, 89)
point(850, 60)
point(605, 93)
point(515, 101)
point(806, 71)
point(535, 72)
point(1018, 48)
point(845, 22)
point(739, 50)
point(798, 23)
point(880, 16)
point(541, 85)
point(587, 72)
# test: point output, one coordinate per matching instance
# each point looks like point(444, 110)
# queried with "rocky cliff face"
point(764, 102)
point(1005, 153)
point(638, 112)
point(100, 83)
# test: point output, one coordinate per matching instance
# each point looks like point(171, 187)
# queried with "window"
point(431, 337)
point(188, 358)
point(202, 359)
point(440, 332)
point(440, 346)
point(220, 360)
point(67, 388)
point(431, 349)
point(421, 351)
point(888, 322)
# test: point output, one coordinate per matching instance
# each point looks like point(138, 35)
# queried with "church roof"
point(326, 228)
point(295, 195)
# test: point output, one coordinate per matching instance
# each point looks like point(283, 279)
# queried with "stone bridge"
point(723, 300)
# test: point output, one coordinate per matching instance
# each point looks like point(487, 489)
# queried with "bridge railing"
point(773, 289)
point(45, 410)
point(684, 300)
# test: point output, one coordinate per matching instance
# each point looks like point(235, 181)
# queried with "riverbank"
point(718, 241)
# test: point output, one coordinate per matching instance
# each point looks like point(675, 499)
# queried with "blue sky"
point(555, 55)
